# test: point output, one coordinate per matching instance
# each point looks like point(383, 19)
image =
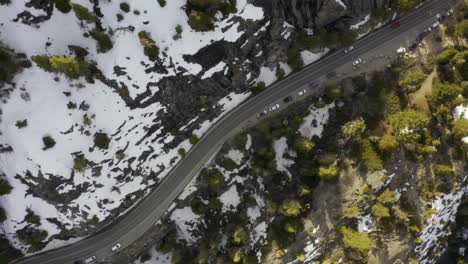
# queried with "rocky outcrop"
point(319, 13)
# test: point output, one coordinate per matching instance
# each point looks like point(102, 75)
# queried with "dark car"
point(413, 46)
point(313, 84)
point(395, 24)
point(288, 99)
point(331, 75)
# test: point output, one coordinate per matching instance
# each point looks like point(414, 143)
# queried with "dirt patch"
point(418, 98)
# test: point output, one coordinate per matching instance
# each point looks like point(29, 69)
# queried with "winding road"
point(148, 211)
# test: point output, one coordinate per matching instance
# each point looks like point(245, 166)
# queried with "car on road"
point(348, 49)
point(90, 259)
point(436, 24)
point(313, 84)
point(395, 24)
point(401, 50)
point(302, 92)
point(262, 114)
point(274, 108)
point(331, 75)
point(429, 29)
point(116, 247)
point(357, 62)
point(413, 47)
point(287, 99)
point(420, 36)
point(449, 12)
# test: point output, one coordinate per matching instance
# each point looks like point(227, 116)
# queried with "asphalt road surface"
point(145, 214)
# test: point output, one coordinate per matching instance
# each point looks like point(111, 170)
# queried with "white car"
point(449, 12)
point(116, 247)
point(302, 92)
point(357, 62)
point(348, 49)
point(90, 259)
point(436, 24)
point(401, 50)
point(274, 108)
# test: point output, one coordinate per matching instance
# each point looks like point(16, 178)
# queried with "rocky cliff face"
point(318, 13)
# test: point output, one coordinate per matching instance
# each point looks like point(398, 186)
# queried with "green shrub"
point(407, 5)
point(354, 128)
point(194, 139)
point(280, 73)
point(444, 94)
point(380, 211)
point(409, 120)
point(292, 226)
point(388, 143)
point(5, 2)
point(304, 146)
point(443, 170)
point(333, 92)
point(32, 236)
point(214, 204)
point(71, 67)
point(162, 3)
point(120, 17)
point(125, 7)
point(5, 187)
point(149, 46)
point(101, 140)
point(292, 207)
point(94, 220)
point(370, 157)
point(400, 215)
point(49, 142)
point(120, 155)
point(22, 123)
point(387, 197)
point(200, 21)
point(214, 177)
point(260, 87)
point(2, 216)
point(179, 31)
point(294, 58)
point(357, 240)
point(460, 128)
point(352, 212)
point(104, 43)
point(79, 52)
point(328, 173)
point(80, 164)
point(168, 242)
point(241, 236)
point(462, 28)
point(182, 152)
point(198, 207)
point(62, 5)
point(445, 56)
point(83, 13)
point(413, 81)
point(32, 218)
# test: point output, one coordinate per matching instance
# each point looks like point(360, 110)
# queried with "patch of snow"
point(364, 223)
point(314, 122)
point(248, 143)
point(461, 111)
point(189, 189)
point(309, 57)
point(267, 75)
point(281, 148)
point(253, 213)
point(360, 23)
point(230, 199)
point(340, 2)
point(185, 220)
point(217, 68)
point(235, 155)
point(259, 235)
point(157, 257)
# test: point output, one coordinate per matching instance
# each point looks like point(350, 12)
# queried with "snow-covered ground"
point(314, 122)
point(282, 163)
point(42, 100)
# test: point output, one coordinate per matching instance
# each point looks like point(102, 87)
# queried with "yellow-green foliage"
point(292, 207)
point(399, 214)
point(200, 21)
point(352, 212)
point(357, 240)
point(413, 81)
point(443, 170)
point(354, 128)
point(407, 5)
point(462, 28)
point(445, 56)
point(328, 173)
point(460, 128)
point(387, 197)
point(149, 45)
point(241, 236)
point(370, 157)
point(444, 94)
point(83, 13)
point(304, 145)
point(380, 211)
point(71, 67)
point(408, 120)
point(388, 143)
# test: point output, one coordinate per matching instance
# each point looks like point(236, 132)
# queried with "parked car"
point(90, 259)
point(274, 108)
point(357, 62)
point(348, 49)
point(262, 114)
point(313, 84)
point(401, 50)
point(302, 92)
point(116, 247)
point(413, 46)
point(395, 24)
point(449, 12)
point(436, 24)
point(429, 29)
point(331, 75)
point(287, 99)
